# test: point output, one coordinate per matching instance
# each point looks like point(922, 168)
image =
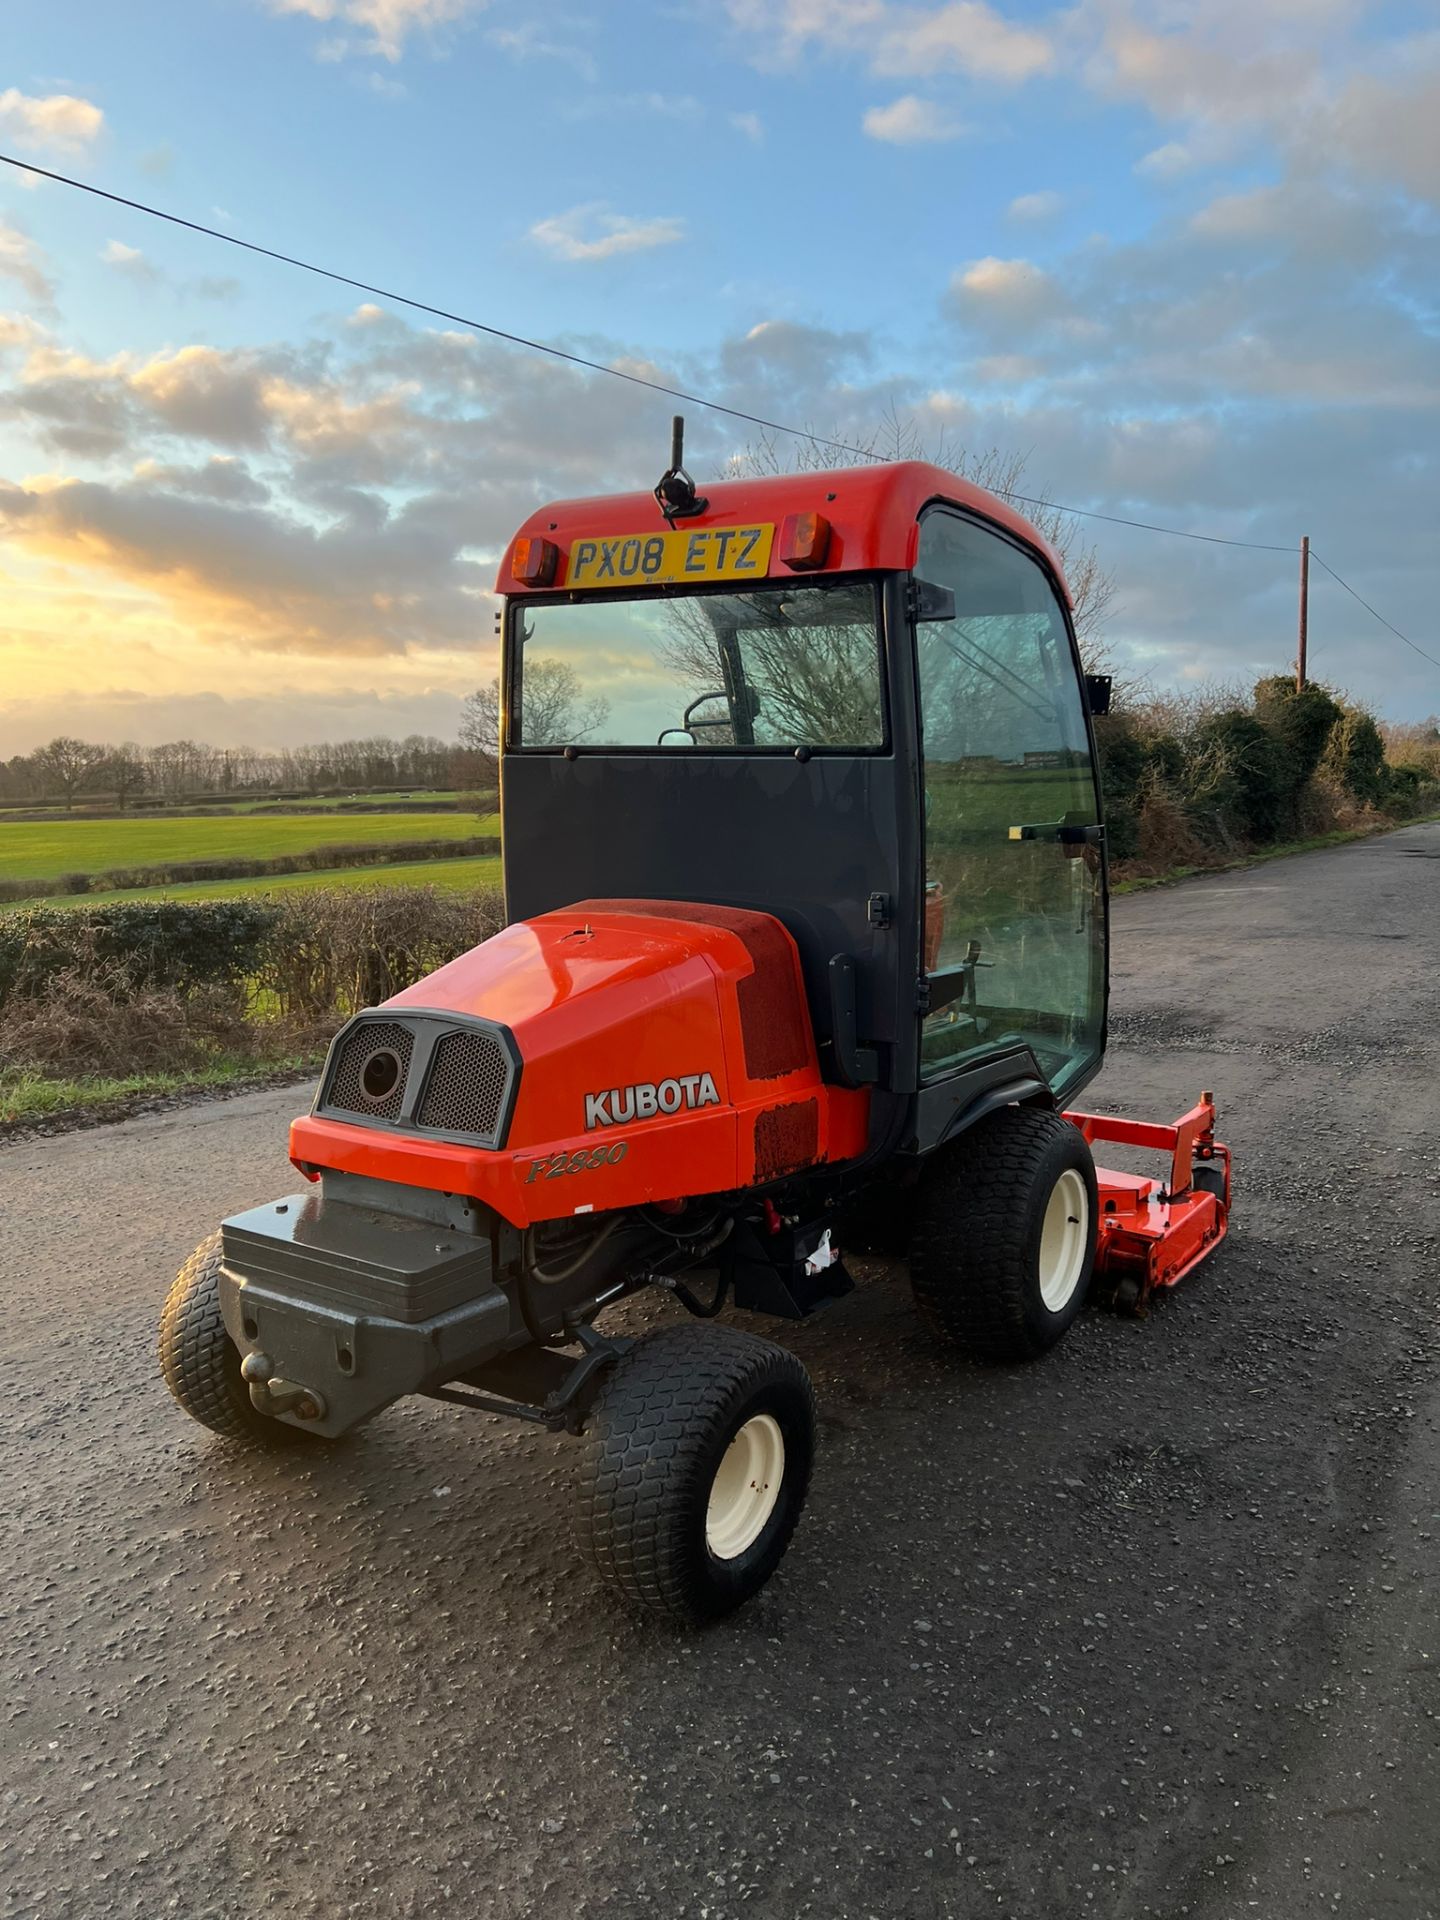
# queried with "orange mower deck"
point(1152, 1232)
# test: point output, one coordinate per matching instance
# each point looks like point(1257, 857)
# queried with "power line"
point(439, 313)
point(1371, 610)
point(597, 366)
point(672, 393)
point(1147, 526)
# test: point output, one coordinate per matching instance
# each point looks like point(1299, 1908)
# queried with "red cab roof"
point(873, 513)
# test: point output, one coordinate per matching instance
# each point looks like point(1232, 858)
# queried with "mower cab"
point(807, 945)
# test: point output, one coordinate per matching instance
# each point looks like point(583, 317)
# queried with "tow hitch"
point(269, 1395)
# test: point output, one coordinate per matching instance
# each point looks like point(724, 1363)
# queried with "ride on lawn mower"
point(807, 948)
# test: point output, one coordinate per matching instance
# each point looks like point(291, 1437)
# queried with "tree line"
point(68, 769)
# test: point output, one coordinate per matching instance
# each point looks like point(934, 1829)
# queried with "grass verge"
point(1283, 851)
point(28, 1101)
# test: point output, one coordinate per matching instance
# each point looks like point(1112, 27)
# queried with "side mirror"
point(1097, 693)
point(683, 733)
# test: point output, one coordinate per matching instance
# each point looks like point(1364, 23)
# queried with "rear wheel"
point(201, 1363)
point(1004, 1239)
point(697, 1460)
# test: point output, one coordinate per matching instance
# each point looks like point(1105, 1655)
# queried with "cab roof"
point(873, 513)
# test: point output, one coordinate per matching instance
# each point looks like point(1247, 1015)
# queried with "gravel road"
point(1149, 1628)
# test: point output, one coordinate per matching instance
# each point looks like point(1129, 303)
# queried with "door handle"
point(1062, 833)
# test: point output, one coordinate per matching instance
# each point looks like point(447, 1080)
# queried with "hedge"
point(134, 944)
point(308, 958)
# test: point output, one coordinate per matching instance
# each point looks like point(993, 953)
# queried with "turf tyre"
point(654, 1444)
point(976, 1247)
point(201, 1364)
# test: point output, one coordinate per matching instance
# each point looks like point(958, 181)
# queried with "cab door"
point(1014, 932)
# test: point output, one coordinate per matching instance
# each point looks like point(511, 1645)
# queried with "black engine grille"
point(466, 1085)
point(346, 1089)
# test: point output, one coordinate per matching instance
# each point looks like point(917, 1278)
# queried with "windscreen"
point(781, 667)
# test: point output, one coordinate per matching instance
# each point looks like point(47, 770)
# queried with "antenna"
point(675, 491)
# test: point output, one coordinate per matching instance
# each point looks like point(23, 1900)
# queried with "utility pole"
point(1304, 612)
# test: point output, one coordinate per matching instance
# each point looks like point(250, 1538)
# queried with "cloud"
point(363, 520)
point(788, 364)
point(751, 125)
point(18, 330)
point(205, 393)
point(1036, 206)
point(900, 41)
point(1169, 162)
point(1293, 297)
point(128, 260)
point(1005, 290)
point(1257, 213)
point(1389, 132)
point(255, 575)
point(911, 121)
point(965, 37)
point(592, 232)
point(1258, 364)
point(139, 267)
point(1297, 75)
point(383, 85)
point(531, 41)
point(1008, 370)
point(60, 122)
point(1220, 66)
point(221, 477)
point(20, 262)
point(385, 24)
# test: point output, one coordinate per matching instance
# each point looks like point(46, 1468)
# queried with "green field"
point(44, 849)
point(453, 876)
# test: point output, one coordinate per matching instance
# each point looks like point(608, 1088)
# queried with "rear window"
point(775, 668)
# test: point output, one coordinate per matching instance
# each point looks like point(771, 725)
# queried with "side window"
point(1013, 901)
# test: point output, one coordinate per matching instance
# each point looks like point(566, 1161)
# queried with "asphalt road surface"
point(1149, 1628)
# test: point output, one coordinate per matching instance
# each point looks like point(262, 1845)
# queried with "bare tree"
point(1092, 587)
point(68, 764)
point(813, 681)
point(1414, 744)
point(124, 771)
point(480, 720)
point(556, 708)
point(179, 768)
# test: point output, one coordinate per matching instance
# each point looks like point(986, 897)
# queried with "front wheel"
point(697, 1459)
point(201, 1363)
point(1003, 1245)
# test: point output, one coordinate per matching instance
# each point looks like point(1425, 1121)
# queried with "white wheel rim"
point(745, 1488)
point(1064, 1238)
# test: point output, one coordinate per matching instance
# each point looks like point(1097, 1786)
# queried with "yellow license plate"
point(700, 553)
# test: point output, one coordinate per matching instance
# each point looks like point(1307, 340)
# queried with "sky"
point(1182, 256)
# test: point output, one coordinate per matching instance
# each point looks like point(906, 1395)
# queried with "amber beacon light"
point(534, 561)
point(804, 541)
